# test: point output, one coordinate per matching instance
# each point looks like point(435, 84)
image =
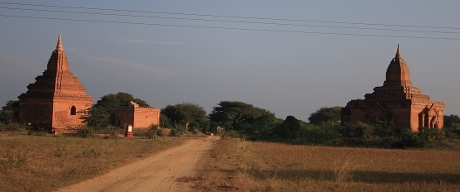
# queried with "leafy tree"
point(326, 115)
point(113, 101)
point(102, 113)
point(429, 134)
point(186, 113)
point(289, 127)
point(451, 120)
point(164, 121)
point(9, 104)
point(411, 139)
point(359, 130)
point(5, 115)
point(235, 115)
point(384, 128)
point(95, 117)
point(205, 126)
point(7, 111)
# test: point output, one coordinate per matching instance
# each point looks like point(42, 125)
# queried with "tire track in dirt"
point(161, 172)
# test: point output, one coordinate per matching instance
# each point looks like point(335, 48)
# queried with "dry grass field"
point(236, 165)
point(46, 163)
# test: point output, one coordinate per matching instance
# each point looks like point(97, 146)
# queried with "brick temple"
point(138, 117)
point(54, 101)
point(396, 102)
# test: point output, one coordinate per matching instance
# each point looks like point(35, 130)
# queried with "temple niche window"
point(73, 110)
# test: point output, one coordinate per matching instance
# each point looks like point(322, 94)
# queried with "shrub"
point(163, 132)
point(151, 132)
point(194, 131)
point(12, 127)
point(178, 130)
point(452, 132)
point(384, 142)
point(324, 134)
point(384, 129)
point(429, 134)
point(37, 132)
point(174, 133)
point(85, 132)
point(359, 130)
point(111, 132)
point(411, 139)
point(231, 134)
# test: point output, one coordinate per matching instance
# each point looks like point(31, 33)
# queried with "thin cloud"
point(123, 67)
point(140, 41)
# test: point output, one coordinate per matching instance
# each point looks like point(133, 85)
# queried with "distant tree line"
point(241, 119)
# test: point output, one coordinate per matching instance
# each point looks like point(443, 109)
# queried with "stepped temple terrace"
point(396, 102)
point(56, 97)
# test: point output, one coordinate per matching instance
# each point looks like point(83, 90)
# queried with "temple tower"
point(396, 102)
point(54, 101)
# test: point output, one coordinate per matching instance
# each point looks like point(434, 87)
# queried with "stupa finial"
point(59, 44)
point(398, 53)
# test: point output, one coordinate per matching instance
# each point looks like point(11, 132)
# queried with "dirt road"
point(165, 171)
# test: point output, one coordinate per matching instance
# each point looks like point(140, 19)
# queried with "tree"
point(235, 115)
point(102, 113)
point(359, 130)
point(451, 120)
point(6, 113)
point(186, 113)
point(288, 128)
point(164, 121)
point(326, 115)
point(9, 104)
point(290, 125)
point(96, 117)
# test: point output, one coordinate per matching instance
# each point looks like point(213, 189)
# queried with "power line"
point(229, 28)
point(233, 16)
point(228, 21)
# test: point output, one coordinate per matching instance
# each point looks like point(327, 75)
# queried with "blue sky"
point(288, 67)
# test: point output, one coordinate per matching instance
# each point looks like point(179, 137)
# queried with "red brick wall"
point(139, 117)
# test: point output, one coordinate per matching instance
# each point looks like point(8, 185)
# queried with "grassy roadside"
point(46, 163)
point(235, 165)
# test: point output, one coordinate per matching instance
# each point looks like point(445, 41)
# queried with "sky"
point(288, 57)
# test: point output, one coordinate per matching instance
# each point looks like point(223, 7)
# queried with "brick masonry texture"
point(56, 99)
point(396, 102)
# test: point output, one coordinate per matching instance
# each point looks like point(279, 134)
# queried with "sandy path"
point(160, 172)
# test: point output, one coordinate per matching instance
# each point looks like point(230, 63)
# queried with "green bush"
point(152, 132)
point(178, 130)
point(452, 132)
point(323, 134)
point(411, 139)
point(359, 130)
point(429, 134)
point(384, 129)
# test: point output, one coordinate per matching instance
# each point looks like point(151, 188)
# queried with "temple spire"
point(397, 72)
point(59, 44)
point(398, 54)
point(58, 60)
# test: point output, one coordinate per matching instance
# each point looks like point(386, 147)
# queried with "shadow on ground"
point(355, 176)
